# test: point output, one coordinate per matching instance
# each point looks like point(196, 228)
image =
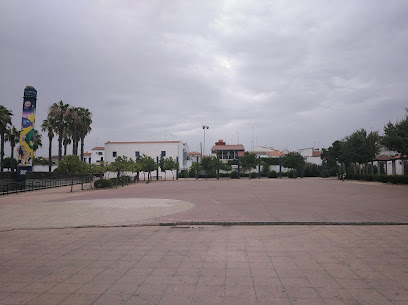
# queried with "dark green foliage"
point(7, 163)
point(102, 183)
point(394, 179)
point(40, 161)
point(234, 175)
point(292, 160)
point(292, 174)
point(396, 136)
point(248, 161)
point(312, 170)
point(272, 174)
point(253, 175)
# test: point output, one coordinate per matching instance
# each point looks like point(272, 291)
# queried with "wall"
point(173, 149)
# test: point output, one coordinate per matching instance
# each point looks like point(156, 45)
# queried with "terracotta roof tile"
point(228, 147)
point(98, 148)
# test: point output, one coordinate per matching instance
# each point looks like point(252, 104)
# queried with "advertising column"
point(25, 154)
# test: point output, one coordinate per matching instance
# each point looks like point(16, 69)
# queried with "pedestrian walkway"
point(206, 265)
point(122, 254)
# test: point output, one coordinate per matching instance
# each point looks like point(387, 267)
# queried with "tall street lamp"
point(204, 128)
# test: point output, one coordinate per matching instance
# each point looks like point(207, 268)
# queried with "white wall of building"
point(97, 155)
point(174, 149)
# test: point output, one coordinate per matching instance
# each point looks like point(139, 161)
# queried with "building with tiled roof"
point(227, 152)
point(311, 155)
point(268, 152)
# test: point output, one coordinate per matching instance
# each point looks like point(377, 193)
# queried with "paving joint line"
point(223, 223)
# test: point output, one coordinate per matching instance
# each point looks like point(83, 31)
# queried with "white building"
point(97, 154)
point(311, 155)
point(155, 149)
point(268, 152)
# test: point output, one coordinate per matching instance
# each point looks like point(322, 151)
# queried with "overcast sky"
point(286, 74)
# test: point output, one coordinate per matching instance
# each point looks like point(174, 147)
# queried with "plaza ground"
point(107, 246)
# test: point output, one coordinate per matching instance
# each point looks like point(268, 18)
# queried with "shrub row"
point(103, 183)
point(394, 179)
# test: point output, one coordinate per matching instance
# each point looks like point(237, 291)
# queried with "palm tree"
point(48, 127)
point(73, 127)
point(5, 119)
point(37, 140)
point(84, 126)
point(66, 141)
point(58, 115)
point(13, 136)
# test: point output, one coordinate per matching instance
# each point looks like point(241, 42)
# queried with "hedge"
point(394, 179)
point(102, 183)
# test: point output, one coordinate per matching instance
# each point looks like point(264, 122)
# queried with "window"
point(100, 153)
point(137, 154)
point(163, 153)
point(89, 160)
point(114, 154)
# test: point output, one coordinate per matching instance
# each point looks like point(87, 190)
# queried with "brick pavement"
point(215, 264)
point(208, 265)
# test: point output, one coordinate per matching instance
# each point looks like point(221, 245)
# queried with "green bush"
point(102, 183)
point(272, 174)
point(114, 181)
point(312, 170)
point(253, 175)
point(394, 179)
point(292, 174)
point(234, 175)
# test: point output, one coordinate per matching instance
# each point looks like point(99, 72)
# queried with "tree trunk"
point(73, 147)
point(2, 151)
point(60, 147)
point(12, 158)
point(65, 149)
point(50, 155)
point(82, 148)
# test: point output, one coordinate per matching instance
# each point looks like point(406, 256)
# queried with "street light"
point(204, 128)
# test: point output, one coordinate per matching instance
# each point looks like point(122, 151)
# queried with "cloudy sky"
point(287, 74)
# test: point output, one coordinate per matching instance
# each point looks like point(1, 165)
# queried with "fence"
point(40, 184)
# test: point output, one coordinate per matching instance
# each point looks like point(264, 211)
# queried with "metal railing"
point(33, 185)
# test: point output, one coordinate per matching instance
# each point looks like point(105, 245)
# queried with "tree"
point(37, 140)
point(293, 160)
point(195, 167)
point(13, 136)
point(73, 128)
point(84, 126)
point(135, 167)
point(48, 127)
point(148, 165)
point(207, 164)
point(333, 156)
point(66, 141)
point(361, 147)
point(73, 166)
point(121, 164)
point(9, 163)
point(265, 167)
point(171, 165)
point(5, 120)
point(396, 137)
point(58, 114)
point(218, 164)
point(248, 161)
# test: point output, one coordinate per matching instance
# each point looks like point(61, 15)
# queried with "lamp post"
point(204, 128)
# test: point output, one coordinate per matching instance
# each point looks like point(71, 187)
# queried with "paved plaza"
point(207, 242)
